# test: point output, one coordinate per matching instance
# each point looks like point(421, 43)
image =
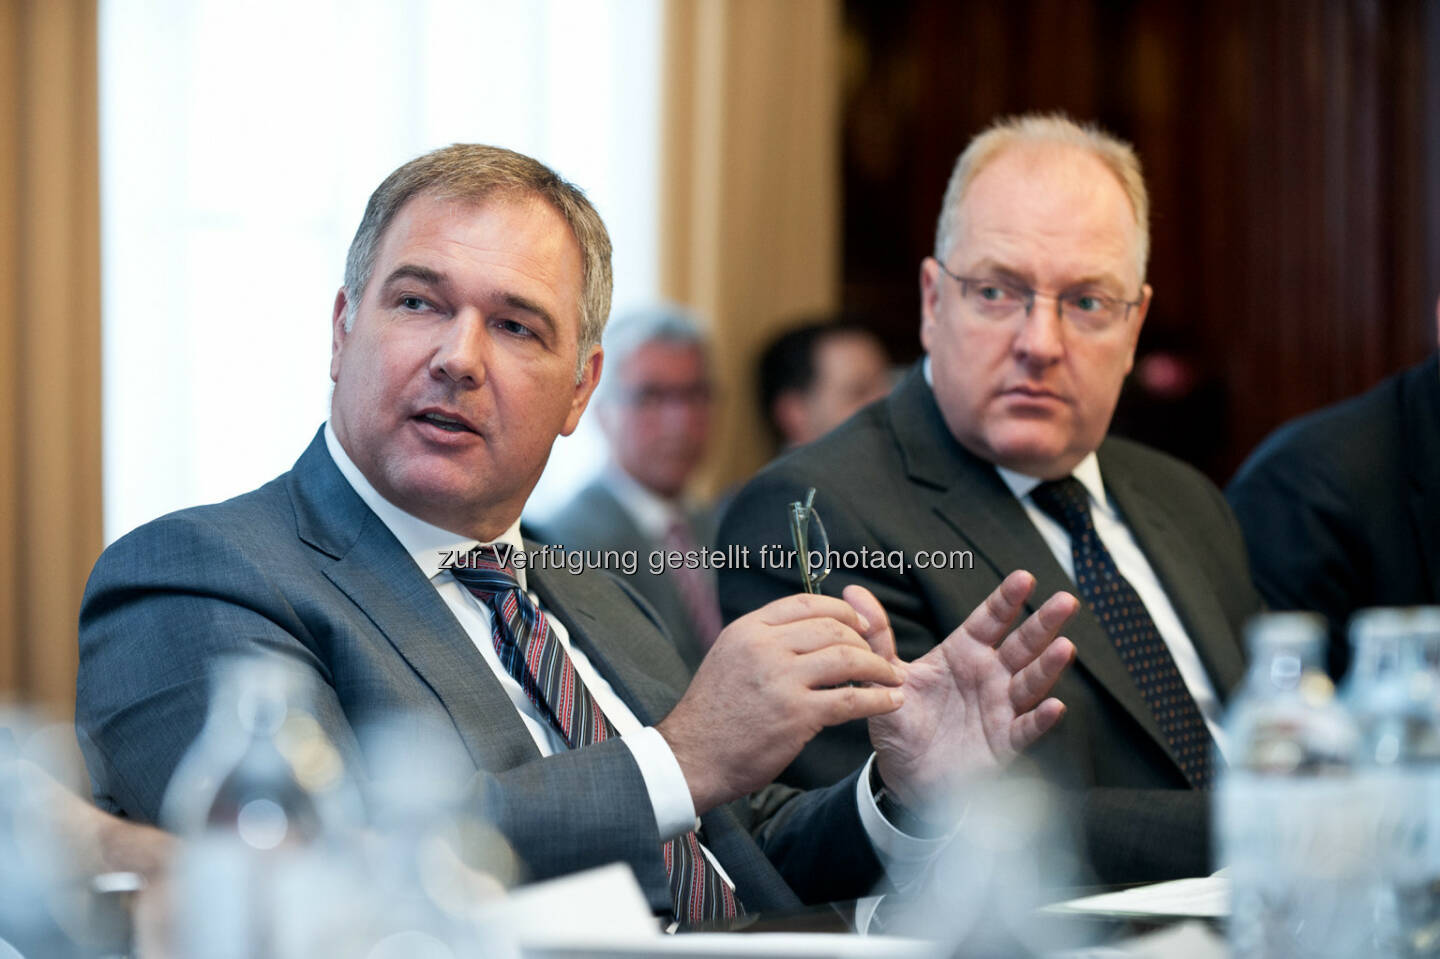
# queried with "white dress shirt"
point(652, 514)
point(1131, 562)
point(904, 856)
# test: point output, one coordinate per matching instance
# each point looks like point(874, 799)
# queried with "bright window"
point(239, 143)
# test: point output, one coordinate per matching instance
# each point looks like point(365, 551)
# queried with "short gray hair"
point(1045, 128)
point(473, 173)
point(660, 323)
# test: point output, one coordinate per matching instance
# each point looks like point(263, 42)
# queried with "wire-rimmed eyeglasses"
point(803, 518)
point(1000, 299)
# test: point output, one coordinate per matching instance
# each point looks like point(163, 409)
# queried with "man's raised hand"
point(976, 700)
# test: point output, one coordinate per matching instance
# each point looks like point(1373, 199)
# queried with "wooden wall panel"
point(1293, 153)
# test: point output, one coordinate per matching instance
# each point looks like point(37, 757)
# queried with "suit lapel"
point(1004, 536)
point(379, 577)
point(972, 499)
point(1195, 598)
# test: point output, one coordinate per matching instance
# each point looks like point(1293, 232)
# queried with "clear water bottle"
point(1392, 691)
point(265, 806)
point(36, 917)
point(1289, 819)
point(433, 863)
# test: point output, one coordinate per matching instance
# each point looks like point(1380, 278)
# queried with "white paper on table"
point(748, 945)
point(603, 913)
point(596, 906)
point(1188, 940)
point(1204, 898)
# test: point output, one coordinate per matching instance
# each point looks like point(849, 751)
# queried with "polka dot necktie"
point(1124, 617)
point(537, 660)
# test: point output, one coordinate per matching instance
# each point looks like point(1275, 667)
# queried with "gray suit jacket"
point(595, 519)
point(301, 567)
point(893, 478)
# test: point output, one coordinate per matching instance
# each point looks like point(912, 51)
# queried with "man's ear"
point(337, 331)
point(584, 388)
point(929, 298)
point(1141, 312)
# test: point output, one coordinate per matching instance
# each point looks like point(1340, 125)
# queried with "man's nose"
point(460, 352)
point(1041, 337)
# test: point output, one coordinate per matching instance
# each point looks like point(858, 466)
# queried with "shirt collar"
point(654, 514)
point(1087, 471)
point(428, 545)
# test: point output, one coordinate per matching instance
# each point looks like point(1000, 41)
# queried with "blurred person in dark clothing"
point(816, 376)
point(1341, 507)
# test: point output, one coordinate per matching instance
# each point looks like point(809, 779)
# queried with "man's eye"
point(515, 327)
point(1088, 303)
point(413, 303)
point(996, 293)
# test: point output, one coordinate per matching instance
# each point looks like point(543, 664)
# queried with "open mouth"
point(449, 424)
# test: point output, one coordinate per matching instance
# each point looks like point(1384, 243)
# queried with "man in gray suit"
point(465, 339)
point(654, 408)
point(992, 455)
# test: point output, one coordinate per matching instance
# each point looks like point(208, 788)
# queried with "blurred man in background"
point(992, 455)
point(1341, 508)
point(816, 376)
point(654, 406)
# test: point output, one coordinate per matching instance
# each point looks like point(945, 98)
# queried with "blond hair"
point(1045, 128)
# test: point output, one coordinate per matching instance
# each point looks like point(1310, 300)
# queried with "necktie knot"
point(482, 572)
point(1067, 502)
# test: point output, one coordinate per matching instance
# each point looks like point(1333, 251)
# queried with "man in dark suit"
point(465, 339)
point(654, 408)
point(992, 456)
point(1341, 508)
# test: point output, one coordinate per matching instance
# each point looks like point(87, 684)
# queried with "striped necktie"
point(534, 656)
point(1124, 617)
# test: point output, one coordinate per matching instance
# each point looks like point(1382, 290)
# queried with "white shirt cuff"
point(905, 857)
point(669, 792)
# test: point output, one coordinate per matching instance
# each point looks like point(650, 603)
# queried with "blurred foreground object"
point(1393, 693)
point(59, 854)
point(277, 860)
point(263, 804)
point(1013, 852)
point(438, 869)
point(1289, 819)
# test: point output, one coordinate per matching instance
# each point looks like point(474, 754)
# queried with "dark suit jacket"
point(595, 519)
point(303, 568)
point(1341, 508)
point(893, 478)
